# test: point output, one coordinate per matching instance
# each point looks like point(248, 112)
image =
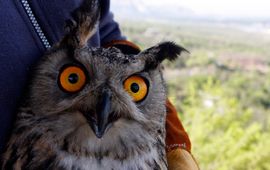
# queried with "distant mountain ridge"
point(137, 9)
point(143, 9)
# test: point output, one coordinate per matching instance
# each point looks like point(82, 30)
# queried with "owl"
point(92, 108)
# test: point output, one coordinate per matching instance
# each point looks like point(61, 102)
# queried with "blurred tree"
point(222, 132)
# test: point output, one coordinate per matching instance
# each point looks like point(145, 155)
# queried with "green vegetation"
point(222, 90)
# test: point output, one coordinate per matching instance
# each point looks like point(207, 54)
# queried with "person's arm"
point(110, 33)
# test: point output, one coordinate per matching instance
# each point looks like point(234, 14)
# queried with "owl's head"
point(100, 92)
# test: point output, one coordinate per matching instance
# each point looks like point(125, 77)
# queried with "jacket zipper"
point(35, 24)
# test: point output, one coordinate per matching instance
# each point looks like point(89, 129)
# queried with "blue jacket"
point(27, 28)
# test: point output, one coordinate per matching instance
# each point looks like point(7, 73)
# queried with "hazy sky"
point(246, 8)
point(227, 8)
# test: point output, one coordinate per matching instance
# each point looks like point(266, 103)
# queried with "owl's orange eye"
point(137, 87)
point(72, 79)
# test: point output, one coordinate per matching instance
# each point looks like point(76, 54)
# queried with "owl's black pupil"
point(73, 78)
point(135, 87)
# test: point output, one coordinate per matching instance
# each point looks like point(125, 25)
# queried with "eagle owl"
point(92, 108)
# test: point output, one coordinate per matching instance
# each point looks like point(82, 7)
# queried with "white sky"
point(242, 8)
point(230, 7)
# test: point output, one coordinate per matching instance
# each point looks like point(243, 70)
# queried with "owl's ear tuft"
point(169, 50)
point(82, 25)
point(166, 50)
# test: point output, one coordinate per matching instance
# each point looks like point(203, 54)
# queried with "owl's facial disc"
point(102, 118)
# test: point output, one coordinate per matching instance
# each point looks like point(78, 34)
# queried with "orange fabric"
point(121, 42)
point(176, 136)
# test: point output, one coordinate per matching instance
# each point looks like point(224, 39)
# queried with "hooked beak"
point(103, 109)
point(101, 120)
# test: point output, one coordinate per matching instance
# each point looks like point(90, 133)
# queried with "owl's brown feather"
point(82, 25)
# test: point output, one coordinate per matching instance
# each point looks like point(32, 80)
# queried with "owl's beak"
point(102, 122)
